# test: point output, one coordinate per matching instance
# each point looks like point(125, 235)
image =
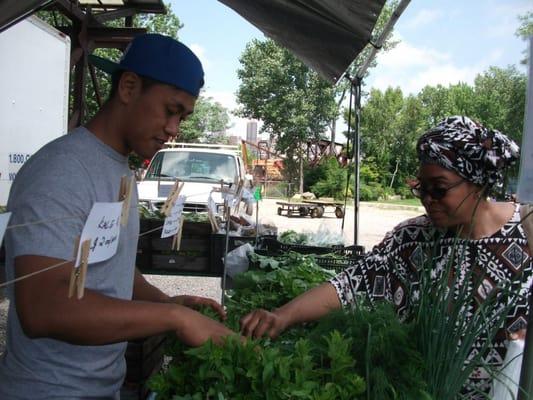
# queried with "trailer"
point(312, 208)
point(35, 89)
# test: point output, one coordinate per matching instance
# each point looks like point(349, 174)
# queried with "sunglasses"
point(436, 193)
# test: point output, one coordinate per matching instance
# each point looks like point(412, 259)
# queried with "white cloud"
point(405, 55)
point(200, 53)
point(227, 100)
point(411, 68)
point(423, 17)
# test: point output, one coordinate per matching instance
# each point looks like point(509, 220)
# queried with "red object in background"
point(146, 163)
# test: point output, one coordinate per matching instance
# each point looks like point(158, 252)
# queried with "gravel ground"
point(374, 222)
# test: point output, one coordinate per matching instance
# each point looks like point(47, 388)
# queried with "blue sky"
point(442, 41)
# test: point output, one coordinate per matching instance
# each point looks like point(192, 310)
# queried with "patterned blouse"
point(389, 272)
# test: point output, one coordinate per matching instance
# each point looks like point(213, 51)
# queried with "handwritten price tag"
point(173, 221)
point(4, 219)
point(102, 228)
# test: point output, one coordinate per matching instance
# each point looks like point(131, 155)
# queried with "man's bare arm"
point(45, 310)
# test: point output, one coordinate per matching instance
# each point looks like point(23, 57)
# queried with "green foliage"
point(333, 180)
point(322, 361)
point(448, 319)
point(391, 123)
point(208, 119)
point(261, 370)
point(389, 361)
point(292, 237)
point(293, 102)
point(372, 191)
point(524, 31)
point(291, 368)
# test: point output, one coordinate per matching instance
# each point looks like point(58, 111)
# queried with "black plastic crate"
point(155, 254)
point(337, 264)
point(174, 263)
point(274, 246)
point(144, 358)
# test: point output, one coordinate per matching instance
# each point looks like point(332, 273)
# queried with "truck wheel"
point(320, 211)
point(304, 211)
point(339, 212)
point(315, 213)
point(280, 210)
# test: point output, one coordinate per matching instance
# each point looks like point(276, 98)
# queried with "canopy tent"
point(327, 35)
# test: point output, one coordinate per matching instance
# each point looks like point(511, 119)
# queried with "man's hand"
point(260, 322)
point(195, 302)
point(195, 329)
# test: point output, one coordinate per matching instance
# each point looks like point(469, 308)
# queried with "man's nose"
point(172, 127)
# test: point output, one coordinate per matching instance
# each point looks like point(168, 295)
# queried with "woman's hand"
point(195, 302)
point(260, 322)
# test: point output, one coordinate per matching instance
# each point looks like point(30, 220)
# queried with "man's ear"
point(129, 86)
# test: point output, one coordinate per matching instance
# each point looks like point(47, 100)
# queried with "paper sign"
point(102, 228)
point(211, 205)
point(173, 221)
point(525, 181)
point(4, 219)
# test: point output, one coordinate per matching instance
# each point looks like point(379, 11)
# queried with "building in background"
point(251, 135)
point(234, 140)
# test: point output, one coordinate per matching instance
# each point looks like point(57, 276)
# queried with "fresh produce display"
point(147, 213)
point(365, 353)
point(322, 238)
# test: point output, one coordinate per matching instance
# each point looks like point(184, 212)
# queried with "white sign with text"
point(102, 228)
point(173, 221)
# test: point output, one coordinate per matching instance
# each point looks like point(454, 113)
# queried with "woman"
point(460, 161)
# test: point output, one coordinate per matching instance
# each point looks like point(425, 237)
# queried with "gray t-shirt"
point(59, 185)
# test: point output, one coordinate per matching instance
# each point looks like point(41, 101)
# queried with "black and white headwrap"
point(477, 154)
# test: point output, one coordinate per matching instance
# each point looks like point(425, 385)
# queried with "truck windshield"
point(189, 165)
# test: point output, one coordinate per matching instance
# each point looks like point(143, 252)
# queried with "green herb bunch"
point(444, 328)
point(387, 354)
point(339, 357)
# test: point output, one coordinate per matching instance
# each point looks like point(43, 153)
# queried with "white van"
point(200, 166)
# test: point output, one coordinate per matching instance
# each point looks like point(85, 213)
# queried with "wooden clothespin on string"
point(79, 273)
point(172, 197)
point(238, 196)
point(126, 187)
point(176, 240)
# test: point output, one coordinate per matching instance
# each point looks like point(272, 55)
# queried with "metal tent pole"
point(357, 82)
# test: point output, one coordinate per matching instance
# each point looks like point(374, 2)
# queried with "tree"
point(165, 24)
point(293, 102)
point(208, 120)
point(524, 31)
point(500, 96)
point(343, 86)
point(378, 129)
point(435, 102)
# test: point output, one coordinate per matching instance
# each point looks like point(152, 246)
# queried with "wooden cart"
point(312, 208)
point(321, 204)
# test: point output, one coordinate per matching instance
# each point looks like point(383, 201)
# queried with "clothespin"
point(126, 187)
point(238, 195)
point(176, 241)
point(79, 273)
point(172, 197)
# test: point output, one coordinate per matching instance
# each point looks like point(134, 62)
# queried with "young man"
point(64, 348)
